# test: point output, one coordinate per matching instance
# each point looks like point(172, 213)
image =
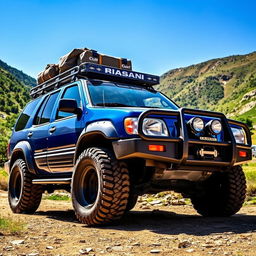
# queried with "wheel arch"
point(92, 139)
point(23, 150)
point(99, 133)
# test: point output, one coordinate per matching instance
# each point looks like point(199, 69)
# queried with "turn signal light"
point(159, 148)
point(131, 125)
point(242, 153)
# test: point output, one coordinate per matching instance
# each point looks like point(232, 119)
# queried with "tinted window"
point(45, 118)
point(45, 111)
point(40, 111)
point(24, 117)
point(70, 93)
point(120, 95)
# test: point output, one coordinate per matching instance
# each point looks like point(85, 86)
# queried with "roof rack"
point(90, 70)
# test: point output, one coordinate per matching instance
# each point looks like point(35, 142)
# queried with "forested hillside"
point(19, 75)
point(226, 84)
point(14, 95)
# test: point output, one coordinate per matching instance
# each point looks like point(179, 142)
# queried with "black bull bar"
point(229, 144)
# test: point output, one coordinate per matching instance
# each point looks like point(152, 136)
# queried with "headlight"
point(215, 127)
point(154, 127)
point(196, 124)
point(239, 135)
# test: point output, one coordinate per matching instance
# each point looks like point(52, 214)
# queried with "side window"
point(45, 111)
point(40, 111)
point(70, 93)
point(26, 114)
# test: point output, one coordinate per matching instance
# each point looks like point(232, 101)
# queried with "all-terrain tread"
point(230, 201)
point(31, 194)
point(114, 187)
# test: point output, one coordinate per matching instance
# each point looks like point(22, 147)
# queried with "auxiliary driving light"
point(215, 127)
point(196, 124)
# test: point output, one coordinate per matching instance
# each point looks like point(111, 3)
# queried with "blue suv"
point(107, 136)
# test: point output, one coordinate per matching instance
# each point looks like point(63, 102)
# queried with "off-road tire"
point(223, 194)
point(132, 200)
point(23, 196)
point(102, 201)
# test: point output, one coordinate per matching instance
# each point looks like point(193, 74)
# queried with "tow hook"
point(207, 153)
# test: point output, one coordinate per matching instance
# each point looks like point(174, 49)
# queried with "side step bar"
point(52, 181)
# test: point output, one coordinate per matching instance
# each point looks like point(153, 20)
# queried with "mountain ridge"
point(225, 84)
point(20, 75)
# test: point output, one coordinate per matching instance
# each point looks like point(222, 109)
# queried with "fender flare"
point(24, 148)
point(100, 128)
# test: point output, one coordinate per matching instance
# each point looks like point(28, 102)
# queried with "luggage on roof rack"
point(50, 71)
point(78, 56)
point(95, 71)
point(69, 60)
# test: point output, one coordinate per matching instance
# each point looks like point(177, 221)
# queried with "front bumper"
point(7, 167)
point(184, 151)
point(138, 148)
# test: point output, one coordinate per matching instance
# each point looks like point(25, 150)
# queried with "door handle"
point(52, 129)
point(30, 134)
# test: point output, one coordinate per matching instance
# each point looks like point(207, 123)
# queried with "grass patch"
point(10, 226)
point(250, 174)
point(3, 179)
point(254, 138)
point(251, 200)
point(57, 197)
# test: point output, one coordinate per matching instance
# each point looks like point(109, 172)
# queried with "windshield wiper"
point(113, 105)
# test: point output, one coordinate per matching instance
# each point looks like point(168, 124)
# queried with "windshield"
point(119, 95)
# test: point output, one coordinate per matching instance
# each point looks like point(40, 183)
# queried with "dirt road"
point(53, 230)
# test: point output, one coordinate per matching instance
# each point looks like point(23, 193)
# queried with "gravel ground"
point(155, 229)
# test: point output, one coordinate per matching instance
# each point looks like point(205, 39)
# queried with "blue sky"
point(157, 35)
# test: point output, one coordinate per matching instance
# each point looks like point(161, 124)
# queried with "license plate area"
point(209, 153)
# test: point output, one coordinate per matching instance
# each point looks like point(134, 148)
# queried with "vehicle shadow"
point(169, 223)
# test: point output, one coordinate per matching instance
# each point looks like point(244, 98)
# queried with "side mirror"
point(69, 106)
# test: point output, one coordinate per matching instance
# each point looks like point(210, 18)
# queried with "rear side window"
point(70, 93)
point(26, 114)
point(44, 114)
point(40, 111)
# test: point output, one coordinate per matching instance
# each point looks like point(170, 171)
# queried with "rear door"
point(38, 133)
point(63, 134)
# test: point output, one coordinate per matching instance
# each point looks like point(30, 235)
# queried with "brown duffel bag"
point(70, 60)
point(50, 71)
